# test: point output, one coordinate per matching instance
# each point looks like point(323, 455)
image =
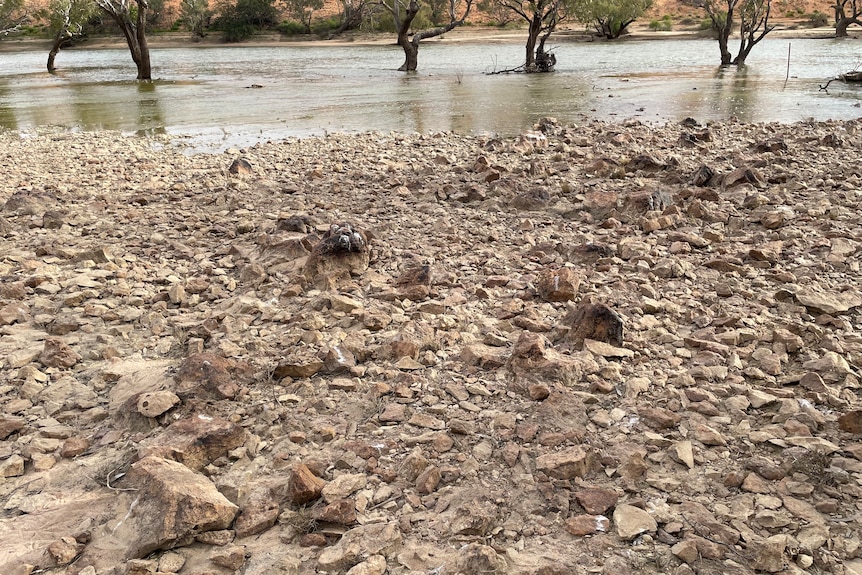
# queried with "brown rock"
point(207, 375)
point(304, 486)
point(475, 558)
point(581, 525)
point(558, 285)
point(156, 403)
point(57, 353)
point(175, 505)
point(258, 513)
point(597, 501)
point(73, 447)
point(631, 521)
point(428, 480)
point(851, 422)
point(686, 551)
point(340, 512)
point(484, 356)
point(9, 425)
point(360, 542)
point(659, 417)
point(594, 321)
point(64, 550)
point(232, 558)
point(195, 441)
point(569, 464)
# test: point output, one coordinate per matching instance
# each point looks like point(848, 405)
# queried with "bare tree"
point(66, 19)
point(410, 43)
point(847, 12)
point(542, 17)
point(131, 17)
point(753, 25)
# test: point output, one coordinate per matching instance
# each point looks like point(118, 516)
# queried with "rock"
point(475, 558)
point(594, 321)
point(597, 501)
point(64, 550)
point(340, 512)
point(258, 513)
point(58, 354)
point(581, 525)
point(304, 486)
point(360, 542)
point(831, 303)
point(207, 375)
point(769, 554)
point(682, 452)
point(851, 422)
point(240, 166)
point(232, 557)
point(171, 562)
point(343, 486)
point(686, 551)
point(374, 565)
point(558, 285)
point(195, 441)
point(569, 464)
point(484, 356)
point(631, 521)
point(175, 504)
point(9, 425)
point(156, 403)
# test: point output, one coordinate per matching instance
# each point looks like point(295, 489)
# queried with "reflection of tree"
point(733, 96)
point(150, 119)
point(7, 113)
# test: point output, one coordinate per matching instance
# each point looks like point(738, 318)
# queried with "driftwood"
point(848, 77)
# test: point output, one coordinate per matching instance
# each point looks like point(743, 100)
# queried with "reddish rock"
point(57, 353)
point(340, 512)
point(428, 480)
point(73, 447)
point(581, 525)
point(304, 486)
point(207, 375)
point(558, 285)
point(851, 422)
point(195, 441)
point(593, 321)
point(569, 464)
point(597, 501)
point(9, 425)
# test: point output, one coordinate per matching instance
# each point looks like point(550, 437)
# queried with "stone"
point(360, 542)
point(232, 557)
point(597, 501)
point(686, 551)
point(171, 562)
point(769, 554)
point(64, 550)
point(830, 303)
point(156, 403)
point(303, 485)
point(682, 452)
point(851, 422)
point(340, 512)
point(475, 558)
point(594, 321)
point(484, 356)
point(581, 525)
point(568, 464)
point(195, 441)
point(343, 486)
point(558, 285)
point(10, 425)
point(207, 375)
point(374, 565)
point(175, 504)
point(631, 521)
point(57, 353)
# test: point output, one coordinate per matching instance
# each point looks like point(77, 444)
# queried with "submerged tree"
point(404, 15)
point(847, 12)
point(609, 18)
point(542, 17)
point(131, 17)
point(753, 25)
point(66, 19)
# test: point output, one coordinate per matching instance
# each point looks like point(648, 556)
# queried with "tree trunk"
point(532, 39)
point(411, 49)
point(144, 68)
point(55, 49)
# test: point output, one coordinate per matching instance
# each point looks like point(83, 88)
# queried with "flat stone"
point(631, 521)
point(568, 464)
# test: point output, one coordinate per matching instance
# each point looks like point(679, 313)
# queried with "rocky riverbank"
point(606, 348)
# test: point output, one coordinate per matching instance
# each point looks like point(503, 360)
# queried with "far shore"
point(465, 34)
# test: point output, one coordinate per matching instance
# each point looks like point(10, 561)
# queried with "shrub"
point(291, 28)
point(324, 25)
point(663, 25)
point(818, 19)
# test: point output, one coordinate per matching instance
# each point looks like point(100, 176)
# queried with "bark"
point(844, 23)
point(135, 34)
point(59, 38)
point(410, 44)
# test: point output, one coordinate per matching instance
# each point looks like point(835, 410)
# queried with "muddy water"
point(211, 94)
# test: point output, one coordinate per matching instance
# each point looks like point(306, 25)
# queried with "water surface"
point(207, 93)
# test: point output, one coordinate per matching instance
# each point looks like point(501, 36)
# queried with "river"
point(210, 94)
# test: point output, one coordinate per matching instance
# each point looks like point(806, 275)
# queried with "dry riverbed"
point(605, 348)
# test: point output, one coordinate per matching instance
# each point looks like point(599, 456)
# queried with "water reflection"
point(313, 89)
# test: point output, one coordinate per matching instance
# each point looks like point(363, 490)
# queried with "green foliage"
point(817, 19)
point(9, 15)
point(609, 17)
point(663, 25)
point(688, 21)
point(68, 17)
point(302, 11)
point(195, 14)
point(325, 25)
point(240, 21)
point(291, 28)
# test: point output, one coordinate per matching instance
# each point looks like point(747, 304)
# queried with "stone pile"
point(605, 348)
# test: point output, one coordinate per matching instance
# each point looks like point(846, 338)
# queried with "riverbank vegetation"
point(69, 21)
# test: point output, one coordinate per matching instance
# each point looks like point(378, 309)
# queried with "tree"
point(353, 13)
point(66, 19)
point(609, 18)
point(753, 25)
point(847, 12)
point(10, 20)
point(195, 14)
point(239, 21)
point(403, 22)
point(131, 17)
point(302, 11)
point(542, 17)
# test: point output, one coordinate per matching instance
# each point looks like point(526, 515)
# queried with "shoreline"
point(462, 35)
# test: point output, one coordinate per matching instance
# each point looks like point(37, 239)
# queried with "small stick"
point(788, 65)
